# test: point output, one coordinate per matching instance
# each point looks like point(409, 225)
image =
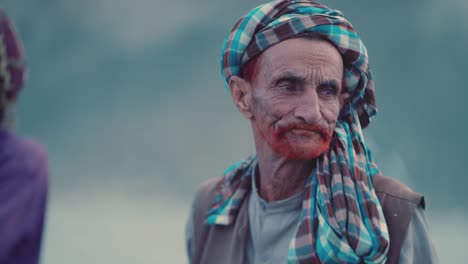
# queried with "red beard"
point(299, 141)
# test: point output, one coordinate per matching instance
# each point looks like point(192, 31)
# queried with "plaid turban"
point(12, 62)
point(341, 220)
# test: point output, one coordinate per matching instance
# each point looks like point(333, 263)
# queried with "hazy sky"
point(128, 99)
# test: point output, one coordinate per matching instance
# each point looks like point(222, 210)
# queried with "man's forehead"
point(297, 57)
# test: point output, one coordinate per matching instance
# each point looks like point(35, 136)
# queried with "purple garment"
point(23, 193)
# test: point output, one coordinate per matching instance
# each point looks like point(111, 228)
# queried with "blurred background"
point(128, 100)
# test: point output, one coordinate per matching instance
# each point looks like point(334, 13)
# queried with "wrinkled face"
point(295, 97)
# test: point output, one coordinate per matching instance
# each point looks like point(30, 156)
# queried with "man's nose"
point(308, 108)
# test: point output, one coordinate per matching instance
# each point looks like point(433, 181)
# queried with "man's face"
point(295, 97)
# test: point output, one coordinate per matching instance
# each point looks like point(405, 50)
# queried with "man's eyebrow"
point(287, 76)
point(290, 76)
point(331, 82)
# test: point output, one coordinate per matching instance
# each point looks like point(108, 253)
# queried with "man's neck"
point(280, 177)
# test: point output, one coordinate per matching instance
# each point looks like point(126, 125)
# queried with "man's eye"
point(287, 86)
point(328, 90)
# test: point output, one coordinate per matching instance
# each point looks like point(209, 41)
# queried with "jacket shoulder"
point(399, 203)
point(205, 197)
point(390, 188)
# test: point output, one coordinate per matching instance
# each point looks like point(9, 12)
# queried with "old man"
point(312, 193)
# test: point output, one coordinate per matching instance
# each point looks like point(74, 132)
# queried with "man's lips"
point(304, 131)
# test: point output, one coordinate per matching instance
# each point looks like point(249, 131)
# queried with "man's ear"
point(241, 93)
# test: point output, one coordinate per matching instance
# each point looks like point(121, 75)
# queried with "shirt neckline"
point(291, 203)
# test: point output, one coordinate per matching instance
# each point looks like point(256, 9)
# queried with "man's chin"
point(300, 152)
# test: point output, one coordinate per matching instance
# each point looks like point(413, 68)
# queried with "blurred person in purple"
point(23, 163)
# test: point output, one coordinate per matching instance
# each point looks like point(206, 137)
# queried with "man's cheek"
point(331, 121)
point(331, 111)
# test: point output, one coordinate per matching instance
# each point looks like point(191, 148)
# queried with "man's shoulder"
point(385, 187)
point(206, 193)
point(388, 188)
point(399, 204)
point(205, 197)
point(210, 184)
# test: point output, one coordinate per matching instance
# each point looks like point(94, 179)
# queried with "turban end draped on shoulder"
point(342, 220)
point(12, 60)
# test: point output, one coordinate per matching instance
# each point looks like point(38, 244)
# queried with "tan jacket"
point(226, 244)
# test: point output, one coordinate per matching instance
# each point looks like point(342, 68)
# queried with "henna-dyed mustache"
point(322, 130)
